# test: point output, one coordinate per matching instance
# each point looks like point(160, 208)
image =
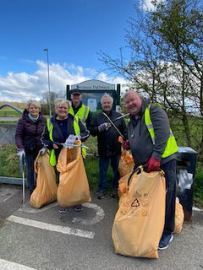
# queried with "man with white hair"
point(153, 145)
point(107, 127)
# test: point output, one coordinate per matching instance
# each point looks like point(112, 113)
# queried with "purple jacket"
point(28, 133)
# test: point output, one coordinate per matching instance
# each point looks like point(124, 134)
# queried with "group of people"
point(147, 135)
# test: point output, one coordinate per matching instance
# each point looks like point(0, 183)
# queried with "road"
point(33, 239)
point(8, 118)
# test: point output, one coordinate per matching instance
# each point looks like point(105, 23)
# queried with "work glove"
point(77, 137)
point(70, 141)
point(126, 145)
point(42, 151)
point(104, 127)
point(153, 164)
point(21, 153)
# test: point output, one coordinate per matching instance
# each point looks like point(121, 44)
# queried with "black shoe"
point(114, 195)
point(100, 195)
point(78, 208)
point(166, 239)
point(62, 210)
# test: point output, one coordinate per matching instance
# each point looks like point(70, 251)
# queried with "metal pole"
point(49, 99)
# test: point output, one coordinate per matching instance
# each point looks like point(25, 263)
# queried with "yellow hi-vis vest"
point(171, 145)
point(82, 113)
point(50, 127)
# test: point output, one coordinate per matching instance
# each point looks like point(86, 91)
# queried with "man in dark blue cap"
point(79, 109)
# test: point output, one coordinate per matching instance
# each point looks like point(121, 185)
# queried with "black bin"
point(186, 167)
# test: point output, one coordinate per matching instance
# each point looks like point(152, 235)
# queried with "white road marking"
point(98, 217)
point(6, 194)
point(197, 209)
point(6, 265)
point(28, 209)
point(51, 227)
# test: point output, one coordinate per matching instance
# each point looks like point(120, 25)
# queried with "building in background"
point(93, 90)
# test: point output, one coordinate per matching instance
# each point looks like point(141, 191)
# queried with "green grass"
point(10, 167)
point(8, 122)
point(9, 113)
point(195, 127)
point(198, 186)
point(9, 161)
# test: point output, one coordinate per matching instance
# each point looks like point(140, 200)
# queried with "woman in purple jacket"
point(28, 138)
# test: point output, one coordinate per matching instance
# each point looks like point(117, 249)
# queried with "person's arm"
point(161, 127)
point(84, 133)
point(124, 129)
point(19, 135)
point(94, 125)
point(89, 120)
point(46, 140)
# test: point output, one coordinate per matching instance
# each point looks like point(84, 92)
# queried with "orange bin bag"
point(123, 185)
point(46, 188)
point(126, 163)
point(73, 186)
point(179, 217)
point(139, 221)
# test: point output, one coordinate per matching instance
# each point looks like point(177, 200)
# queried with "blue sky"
point(74, 31)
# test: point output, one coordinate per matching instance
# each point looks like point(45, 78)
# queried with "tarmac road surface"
point(42, 239)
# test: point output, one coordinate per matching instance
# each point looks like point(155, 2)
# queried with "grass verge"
point(10, 167)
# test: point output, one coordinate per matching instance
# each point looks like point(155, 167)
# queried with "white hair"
point(33, 102)
point(59, 102)
point(106, 96)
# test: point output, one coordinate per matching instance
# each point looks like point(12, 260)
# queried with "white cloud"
point(147, 5)
point(23, 86)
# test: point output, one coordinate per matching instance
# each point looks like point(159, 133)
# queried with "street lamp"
point(49, 99)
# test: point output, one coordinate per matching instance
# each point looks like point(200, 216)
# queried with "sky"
point(75, 33)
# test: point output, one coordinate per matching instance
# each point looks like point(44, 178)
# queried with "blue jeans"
point(30, 174)
point(169, 169)
point(103, 168)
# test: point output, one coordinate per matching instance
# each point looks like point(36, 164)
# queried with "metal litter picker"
point(22, 171)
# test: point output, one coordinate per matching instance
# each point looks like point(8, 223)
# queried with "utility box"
point(93, 90)
point(186, 167)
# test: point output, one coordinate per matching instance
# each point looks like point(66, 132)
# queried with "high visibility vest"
point(82, 113)
point(171, 145)
point(50, 127)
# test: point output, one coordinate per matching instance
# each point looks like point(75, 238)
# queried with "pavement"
point(9, 118)
point(42, 239)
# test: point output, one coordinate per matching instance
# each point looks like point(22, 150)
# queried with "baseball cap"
point(75, 92)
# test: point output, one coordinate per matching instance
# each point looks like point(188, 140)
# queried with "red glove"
point(153, 164)
point(126, 145)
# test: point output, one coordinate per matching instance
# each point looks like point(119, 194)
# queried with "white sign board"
point(93, 85)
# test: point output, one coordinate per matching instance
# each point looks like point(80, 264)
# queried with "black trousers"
point(169, 169)
point(30, 174)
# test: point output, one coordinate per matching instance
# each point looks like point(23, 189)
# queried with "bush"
point(9, 161)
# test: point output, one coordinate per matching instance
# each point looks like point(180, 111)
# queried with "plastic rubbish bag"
point(46, 188)
point(139, 221)
point(73, 186)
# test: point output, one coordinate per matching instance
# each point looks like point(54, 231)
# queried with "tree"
point(179, 24)
point(166, 60)
point(45, 101)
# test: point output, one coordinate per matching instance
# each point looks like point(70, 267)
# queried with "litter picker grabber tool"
point(22, 171)
point(113, 124)
point(120, 117)
point(70, 142)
